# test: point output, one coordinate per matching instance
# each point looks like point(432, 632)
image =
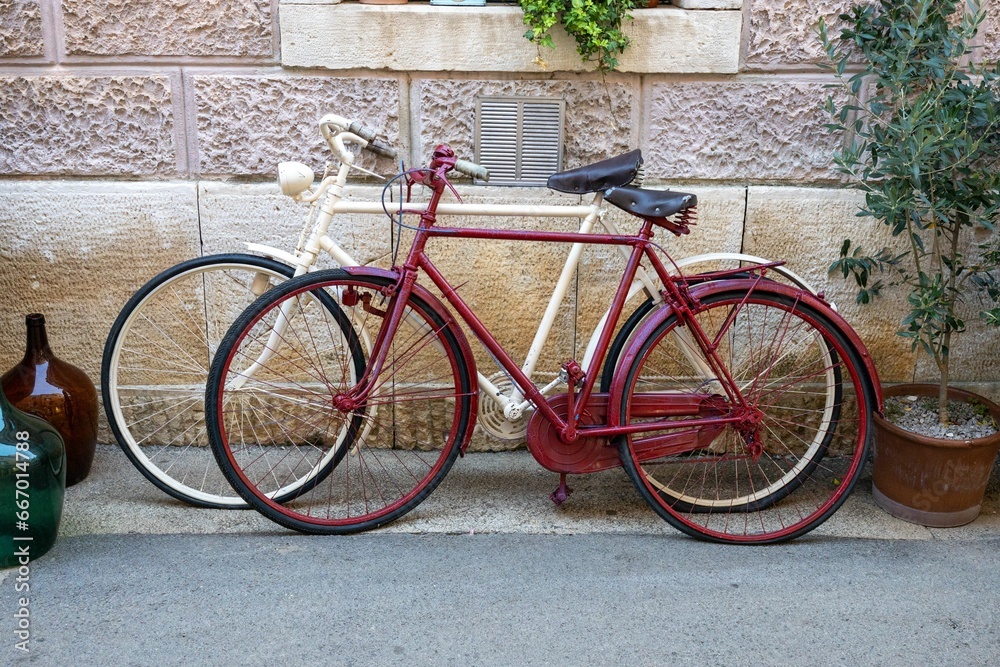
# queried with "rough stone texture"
point(719, 229)
point(745, 130)
point(783, 32)
point(247, 124)
point(20, 28)
point(708, 4)
point(87, 126)
point(593, 128)
point(990, 32)
point(76, 252)
point(975, 353)
point(806, 227)
point(667, 39)
point(168, 27)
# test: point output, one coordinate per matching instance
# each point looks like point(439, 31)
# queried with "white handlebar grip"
point(472, 170)
point(379, 148)
point(374, 145)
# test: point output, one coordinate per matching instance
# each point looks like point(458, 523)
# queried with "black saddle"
point(650, 203)
point(657, 206)
point(611, 173)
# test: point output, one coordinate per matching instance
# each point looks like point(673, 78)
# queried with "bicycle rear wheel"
point(156, 362)
point(273, 422)
point(791, 463)
point(694, 268)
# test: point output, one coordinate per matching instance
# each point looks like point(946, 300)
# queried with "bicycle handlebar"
point(369, 136)
point(374, 145)
point(366, 134)
point(472, 170)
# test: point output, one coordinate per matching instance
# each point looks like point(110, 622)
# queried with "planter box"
point(419, 37)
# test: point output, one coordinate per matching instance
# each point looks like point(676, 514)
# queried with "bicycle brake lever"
point(451, 187)
point(370, 173)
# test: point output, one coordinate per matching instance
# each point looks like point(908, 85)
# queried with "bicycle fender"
point(450, 322)
point(657, 317)
point(819, 304)
point(273, 253)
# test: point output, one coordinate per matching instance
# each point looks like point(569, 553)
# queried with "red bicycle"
point(740, 407)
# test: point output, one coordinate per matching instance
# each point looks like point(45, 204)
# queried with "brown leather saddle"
point(613, 177)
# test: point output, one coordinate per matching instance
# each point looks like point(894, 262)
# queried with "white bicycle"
point(160, 348)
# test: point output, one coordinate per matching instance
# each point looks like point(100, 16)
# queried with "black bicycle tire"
point(114, 337)
point(212, 417)
point(857, 363)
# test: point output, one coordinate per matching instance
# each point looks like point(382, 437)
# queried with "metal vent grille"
point(519, 139)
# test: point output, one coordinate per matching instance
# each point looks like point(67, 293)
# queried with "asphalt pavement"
point(489, 572)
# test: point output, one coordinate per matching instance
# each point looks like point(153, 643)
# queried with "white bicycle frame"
point(336, 131)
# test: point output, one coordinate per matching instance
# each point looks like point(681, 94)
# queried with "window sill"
point(419, 37)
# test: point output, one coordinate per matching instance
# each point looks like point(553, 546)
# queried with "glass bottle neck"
point(37, 347)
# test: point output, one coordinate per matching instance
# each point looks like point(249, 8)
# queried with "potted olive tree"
point(924, 117)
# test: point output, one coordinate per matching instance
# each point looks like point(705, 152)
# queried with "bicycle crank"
point(492, 417)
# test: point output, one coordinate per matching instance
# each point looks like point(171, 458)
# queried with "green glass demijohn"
point(32, 485)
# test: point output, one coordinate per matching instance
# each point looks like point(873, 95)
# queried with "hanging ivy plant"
point(594, 24)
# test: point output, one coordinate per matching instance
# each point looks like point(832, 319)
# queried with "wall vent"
point(519, 139)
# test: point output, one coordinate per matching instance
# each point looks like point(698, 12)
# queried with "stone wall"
point(136, 134)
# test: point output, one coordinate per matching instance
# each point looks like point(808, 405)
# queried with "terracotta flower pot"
point(932, 481)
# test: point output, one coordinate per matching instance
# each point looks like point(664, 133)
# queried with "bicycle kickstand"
point(562, 492)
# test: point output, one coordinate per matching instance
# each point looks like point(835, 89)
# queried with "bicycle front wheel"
point(791, 462)
point(277, 379)
point(156, 362)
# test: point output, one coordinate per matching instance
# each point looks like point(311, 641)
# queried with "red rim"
point(689, 521)
point(426, 476)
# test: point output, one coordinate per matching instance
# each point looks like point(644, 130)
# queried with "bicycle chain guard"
point(593, 454)
point(581, 456)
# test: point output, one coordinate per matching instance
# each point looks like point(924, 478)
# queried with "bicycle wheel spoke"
point(352, 468)
point(789, 456)
point(156, 366)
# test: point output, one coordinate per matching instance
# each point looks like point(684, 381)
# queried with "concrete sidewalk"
point(499, 493)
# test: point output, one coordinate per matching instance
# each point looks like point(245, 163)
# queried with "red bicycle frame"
point(642, 246)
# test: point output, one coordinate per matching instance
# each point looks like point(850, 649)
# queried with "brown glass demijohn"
point(60, 393)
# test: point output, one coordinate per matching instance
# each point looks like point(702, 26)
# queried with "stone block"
point(77, 251)
point(990, 33)
point(719, 229)
point(168, 27)
point(495, 276)
point(595, 127)
point(235, 214)
point(507, 283)
point(806, 227)
point(748, 130)
point(21, 29)
point(87, 126)
point(783, 32)
point(975, 353)
point(247, 124)
point(708, 4)
point(421, 37)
